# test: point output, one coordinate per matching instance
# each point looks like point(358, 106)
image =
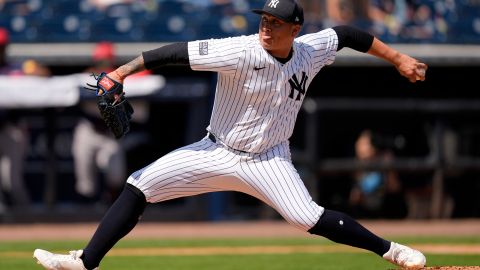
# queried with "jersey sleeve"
point(321, 47)
point(219, 55)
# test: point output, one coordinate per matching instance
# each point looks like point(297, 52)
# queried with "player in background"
point(14, 131)
point(94, 148)
point(262, 81)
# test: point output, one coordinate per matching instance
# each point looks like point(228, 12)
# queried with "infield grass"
point(302, 254)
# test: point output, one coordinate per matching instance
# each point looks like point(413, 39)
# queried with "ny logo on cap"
point(273, 3)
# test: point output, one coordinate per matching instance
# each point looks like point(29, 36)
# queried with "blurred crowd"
point(405, 21)
point(401, 21)
point(95, 151)
point(99, 160)
point(14, 134)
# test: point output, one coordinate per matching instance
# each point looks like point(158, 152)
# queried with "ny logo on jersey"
point(299, 86)
point(273, 3)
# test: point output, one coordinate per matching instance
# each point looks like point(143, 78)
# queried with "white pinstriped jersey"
point(256, 104)
point(258, 98)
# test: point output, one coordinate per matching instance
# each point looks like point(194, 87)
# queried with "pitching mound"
point(452, 268)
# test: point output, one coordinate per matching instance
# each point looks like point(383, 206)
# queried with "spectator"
point(32, 67)
point(347, 12)
point(314, 12)
point(389, 17)
point(375, 191)
point(94, 148)
point(13, 142)
point(423, 24)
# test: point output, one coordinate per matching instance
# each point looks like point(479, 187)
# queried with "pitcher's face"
point(276, 36)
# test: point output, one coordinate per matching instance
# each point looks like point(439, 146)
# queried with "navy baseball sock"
point(120, 219)
point(343, 229)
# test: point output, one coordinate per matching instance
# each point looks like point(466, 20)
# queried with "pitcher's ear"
point(296, 29)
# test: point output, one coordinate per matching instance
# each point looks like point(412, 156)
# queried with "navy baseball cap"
point(286, 10)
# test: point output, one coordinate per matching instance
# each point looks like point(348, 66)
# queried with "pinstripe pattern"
point(206, 166)
point(256, 104)
point(252, 110)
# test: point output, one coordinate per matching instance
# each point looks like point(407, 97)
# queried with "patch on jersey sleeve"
point(203, 48)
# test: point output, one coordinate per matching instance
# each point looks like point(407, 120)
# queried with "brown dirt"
point(82, 231)
point(452, 268)
point(12, 232)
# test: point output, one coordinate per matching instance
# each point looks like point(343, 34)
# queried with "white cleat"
point(405, 257)
point(52, 261)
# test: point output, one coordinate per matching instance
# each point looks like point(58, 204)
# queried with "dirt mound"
point(452, 268)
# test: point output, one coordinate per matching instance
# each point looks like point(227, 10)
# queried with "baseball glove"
point(114, 108)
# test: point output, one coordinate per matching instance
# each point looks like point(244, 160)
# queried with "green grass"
point(17, 255)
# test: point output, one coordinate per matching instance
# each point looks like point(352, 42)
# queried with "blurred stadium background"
point(430, 127)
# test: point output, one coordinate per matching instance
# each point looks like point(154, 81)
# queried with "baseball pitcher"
point(262, 82)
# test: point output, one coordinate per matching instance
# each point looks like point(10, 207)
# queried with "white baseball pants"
point(206, 166)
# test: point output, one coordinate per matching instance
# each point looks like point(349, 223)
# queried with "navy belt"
point(212, 137)
point(214, 140)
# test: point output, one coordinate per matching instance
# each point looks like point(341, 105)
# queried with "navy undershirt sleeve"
point(171, 54)
point(353, 38)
